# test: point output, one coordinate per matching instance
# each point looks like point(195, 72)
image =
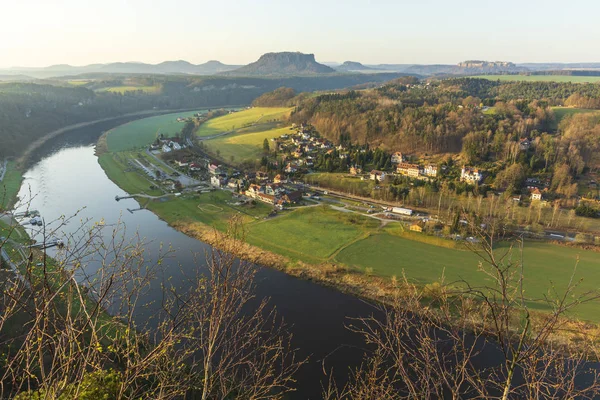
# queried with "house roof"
point(408, 166)
point(266, 196)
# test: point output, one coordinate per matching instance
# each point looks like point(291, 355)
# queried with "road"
point(202, 138)
point(3, 169)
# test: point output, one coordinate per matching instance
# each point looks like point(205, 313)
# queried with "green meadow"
point(117, 168)
point(242, 119)
point(562, 112)
point(540, 78)
point(310, 234)
point(213, 209)
point(546, 265)
point(142, 132)
point(10, 186)
point(123, 89)
point(245, 144)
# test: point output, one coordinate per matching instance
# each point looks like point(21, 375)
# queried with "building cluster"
point(273, 193)
point(402, 168)
point(255, 185)
point(167, 145)
point(304, 146)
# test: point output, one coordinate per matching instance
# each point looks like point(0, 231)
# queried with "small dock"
point(136, 209)
point(47, 245)
point(27, 214)
point(119, 198)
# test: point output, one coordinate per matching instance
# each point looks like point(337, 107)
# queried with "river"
point(65, 179)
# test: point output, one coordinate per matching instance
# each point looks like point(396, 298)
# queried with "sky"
point(37, 33)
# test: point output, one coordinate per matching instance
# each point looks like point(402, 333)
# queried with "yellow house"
point(416, 228)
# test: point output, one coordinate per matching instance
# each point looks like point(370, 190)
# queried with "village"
point(181, 168)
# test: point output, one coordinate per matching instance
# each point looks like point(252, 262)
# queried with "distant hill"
point(560, 66)
point(348, 66)
point(281, 64)
point(11, 78)
point(433, 69)
point(390, 67)
point(167, 67)
point(471, 67)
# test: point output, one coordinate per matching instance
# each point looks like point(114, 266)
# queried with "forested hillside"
point(446, 116)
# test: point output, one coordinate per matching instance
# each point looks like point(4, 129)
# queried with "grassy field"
point(562, 112)
point(211, 209)
point(123, 89)
point(342, 182)
point(540, 78)
point(78, 82)
point(9, 187)
point(545, 265)
point(242, 119)
point(244, 146)
point(142, 132)
point(309, 234)
point(117, 168)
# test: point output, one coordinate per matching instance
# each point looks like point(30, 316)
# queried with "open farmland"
point(142, 132)
point(562, 112)
point(212, 209)
point(311, 234)
point(242, 119)
point(123, 89)
point(243, 146)
point(540, 78)
point(545, 265)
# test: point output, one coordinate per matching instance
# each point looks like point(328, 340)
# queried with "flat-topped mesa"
point(284, 63)
point(486, 64)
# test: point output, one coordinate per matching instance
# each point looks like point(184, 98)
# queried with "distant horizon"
point(404, 62)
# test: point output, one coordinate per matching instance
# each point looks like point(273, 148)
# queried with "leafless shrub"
point(210, 340)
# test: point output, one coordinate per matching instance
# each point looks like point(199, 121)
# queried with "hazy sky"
point(78, 32)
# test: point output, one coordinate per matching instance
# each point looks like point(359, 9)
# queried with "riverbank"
point(10, 184)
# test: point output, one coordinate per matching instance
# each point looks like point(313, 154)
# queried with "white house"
point(218, 181)
point(166, 148)
point(430, 170)
point(175, 145)
point(377, 176)
point(470, 175)
point(536, 194)
point(397, 158)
